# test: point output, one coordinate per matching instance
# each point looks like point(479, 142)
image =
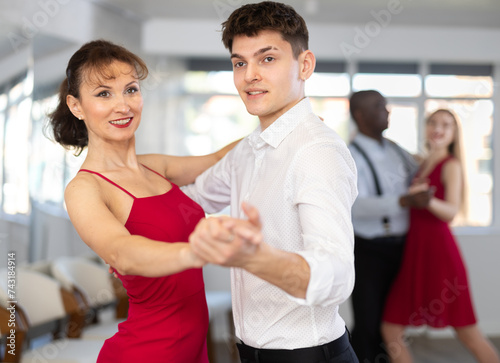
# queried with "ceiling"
point(445, 13)
point(472, 13)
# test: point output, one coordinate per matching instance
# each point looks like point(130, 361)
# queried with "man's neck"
point(266, 121)
point(377, 137)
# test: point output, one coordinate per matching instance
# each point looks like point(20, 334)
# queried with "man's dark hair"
point(357, 98)
point(250, 19)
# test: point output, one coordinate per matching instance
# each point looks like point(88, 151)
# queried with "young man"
point(380, 218)
point(292, 265)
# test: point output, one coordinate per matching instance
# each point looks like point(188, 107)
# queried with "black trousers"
point(377, 263)
point(337, 351)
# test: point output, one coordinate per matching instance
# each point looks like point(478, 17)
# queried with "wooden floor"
point(425, 350)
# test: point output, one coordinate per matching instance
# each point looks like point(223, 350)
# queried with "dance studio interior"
point(421, 55)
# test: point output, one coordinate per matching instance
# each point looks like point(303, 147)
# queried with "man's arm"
point(369, 205)
point(238, 243)
point(212, 189)
point(183, 170)
point(325, 194)
point(321, 273)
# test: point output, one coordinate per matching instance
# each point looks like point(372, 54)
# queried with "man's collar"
point(366, 140)
point(275, 133)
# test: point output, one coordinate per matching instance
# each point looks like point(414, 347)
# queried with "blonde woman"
point(432, 287)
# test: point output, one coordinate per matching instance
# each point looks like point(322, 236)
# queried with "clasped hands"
point(227, 241)
point(419, 194)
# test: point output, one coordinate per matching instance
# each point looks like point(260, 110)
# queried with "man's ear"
point(358, 117)
point(307, 63)
point(74, 106)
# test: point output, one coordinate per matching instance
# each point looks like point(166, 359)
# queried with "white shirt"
point(301, 177)
point(394, 170)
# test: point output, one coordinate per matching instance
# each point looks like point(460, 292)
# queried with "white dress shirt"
point(394, 170)
point(302, 179)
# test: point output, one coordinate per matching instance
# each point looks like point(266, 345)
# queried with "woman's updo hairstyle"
point(91, 63)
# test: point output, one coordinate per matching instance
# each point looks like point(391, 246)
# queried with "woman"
point(431, 287)
point(129, 209)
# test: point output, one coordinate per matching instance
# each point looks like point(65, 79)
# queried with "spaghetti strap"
point(155, 172)
point(112, 182)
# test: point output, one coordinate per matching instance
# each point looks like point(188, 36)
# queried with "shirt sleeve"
point(373, 206)
point(324, 191)
point(212, 189)
point(368, 204)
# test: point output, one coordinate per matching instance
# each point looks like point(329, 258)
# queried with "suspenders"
point(385, 220)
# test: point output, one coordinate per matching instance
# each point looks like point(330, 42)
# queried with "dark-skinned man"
point(380, 218)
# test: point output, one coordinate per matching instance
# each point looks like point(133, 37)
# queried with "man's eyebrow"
point(263, 50)
point(260, 51)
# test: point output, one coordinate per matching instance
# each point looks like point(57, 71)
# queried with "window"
point(403, 124)
point(476, 118)
point(32, 167)
point(15, 109)
point(51, 166)
point(47, 164)
point(401, 85)
point(212, 114)
point(215, 115)
point(329, 95)
point(3, 106)
point(467, 90)
point(390, 85)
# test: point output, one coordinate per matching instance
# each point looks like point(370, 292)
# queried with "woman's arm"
point(451, 177)
point(183, 170)
point(107, 236)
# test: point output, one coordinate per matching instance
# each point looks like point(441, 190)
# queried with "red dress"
point(168, 316)
point(431, 287)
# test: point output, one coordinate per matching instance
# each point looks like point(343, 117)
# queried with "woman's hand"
point(419, 185)
point(227, 241)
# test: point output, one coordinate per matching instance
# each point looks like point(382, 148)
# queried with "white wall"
point(16, 63)
point(341, 42)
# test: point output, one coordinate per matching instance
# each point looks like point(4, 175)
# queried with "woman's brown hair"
point(90, 62)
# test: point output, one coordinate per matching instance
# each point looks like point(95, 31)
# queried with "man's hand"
point(251, 231)
point(111, 270)
point(227, 241)
point(418, 185)
point(418, 199)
